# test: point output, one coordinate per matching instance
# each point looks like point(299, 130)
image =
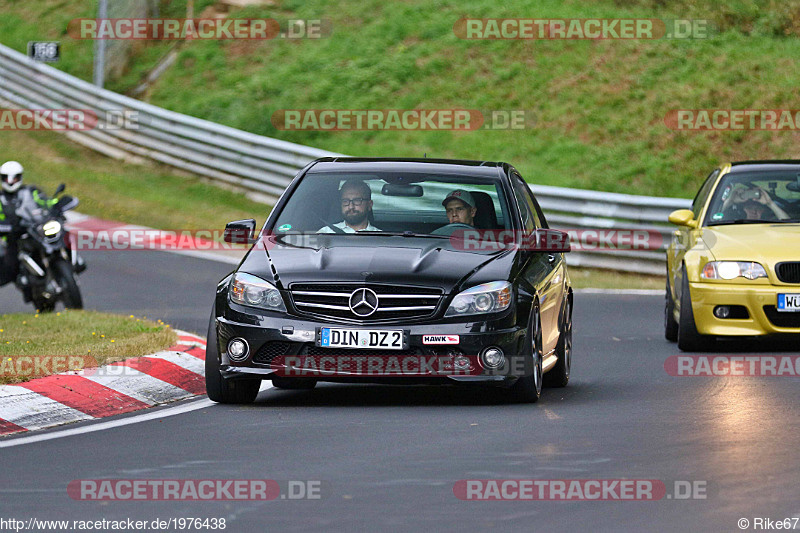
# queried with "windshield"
point(755, 198)
point(391, 203)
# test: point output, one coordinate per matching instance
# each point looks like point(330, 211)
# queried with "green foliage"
point(599, 106)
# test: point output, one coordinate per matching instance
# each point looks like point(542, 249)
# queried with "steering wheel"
point(449, 229)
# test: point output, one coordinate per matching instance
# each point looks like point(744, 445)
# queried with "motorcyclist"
point(13, 195)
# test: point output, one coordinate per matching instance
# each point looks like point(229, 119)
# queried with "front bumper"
point(285, 346)
point(760, 301)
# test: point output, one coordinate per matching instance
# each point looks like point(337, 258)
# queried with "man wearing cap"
point(461, 207)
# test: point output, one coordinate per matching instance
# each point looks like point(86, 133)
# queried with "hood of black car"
point(323, 258)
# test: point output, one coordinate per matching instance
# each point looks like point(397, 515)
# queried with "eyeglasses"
point(355, 201)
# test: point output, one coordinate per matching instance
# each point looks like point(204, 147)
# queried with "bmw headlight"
point(733, 270)
point(51, 228)
point(486, 298)
point(247, 289)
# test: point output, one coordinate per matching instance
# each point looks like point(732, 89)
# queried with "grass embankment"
point(599, 105)
point(42, 344)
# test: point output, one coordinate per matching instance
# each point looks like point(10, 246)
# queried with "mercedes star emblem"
point(363, 302)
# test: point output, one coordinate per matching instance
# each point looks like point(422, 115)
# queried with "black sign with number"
point(44, 51)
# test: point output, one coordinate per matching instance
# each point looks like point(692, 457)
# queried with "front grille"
point(788, 272)
point(394, 301)
point(782, 320)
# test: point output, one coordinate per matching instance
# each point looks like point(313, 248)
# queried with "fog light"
point(722, 311)
point(238, 349)
point(461, 362)
point(493, 357)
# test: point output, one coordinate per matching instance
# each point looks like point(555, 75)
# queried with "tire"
point(559, 374)
point(65, 277)
point(689, 340)
point(41, 304)
point(670, 325)
point(294, 383)
point(528, 389)
point(223, 390)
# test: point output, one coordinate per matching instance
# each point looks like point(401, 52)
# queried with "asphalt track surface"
point(388, 457)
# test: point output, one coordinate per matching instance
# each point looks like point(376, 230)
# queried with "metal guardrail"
point(265, 165)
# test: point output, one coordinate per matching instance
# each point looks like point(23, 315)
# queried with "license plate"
point(789, 302)
point(383, 339)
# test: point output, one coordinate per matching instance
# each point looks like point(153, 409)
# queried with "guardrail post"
point(100, 48)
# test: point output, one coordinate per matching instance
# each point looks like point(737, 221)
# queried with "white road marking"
point(135, 384)
point(30, 410)
point(110, 424)
point(144, 417)
point(189, 362)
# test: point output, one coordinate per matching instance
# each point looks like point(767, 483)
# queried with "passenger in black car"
point(461, 207)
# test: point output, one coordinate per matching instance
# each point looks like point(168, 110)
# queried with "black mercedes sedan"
point(395, 271)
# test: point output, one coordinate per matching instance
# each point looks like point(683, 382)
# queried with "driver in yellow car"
point(754, 203)
point(460, 206)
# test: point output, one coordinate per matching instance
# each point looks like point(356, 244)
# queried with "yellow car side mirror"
point(683, 217)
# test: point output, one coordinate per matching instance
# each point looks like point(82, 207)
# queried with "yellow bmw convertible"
point(733, 266)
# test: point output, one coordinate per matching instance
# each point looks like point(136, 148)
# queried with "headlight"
point(247, 289)
point(486, 298)
point(733, 270)
point(51, 228)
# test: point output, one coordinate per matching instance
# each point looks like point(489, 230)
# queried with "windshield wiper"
point(403, 234)
point(744, 221)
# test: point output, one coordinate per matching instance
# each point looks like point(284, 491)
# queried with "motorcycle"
point(48, 263)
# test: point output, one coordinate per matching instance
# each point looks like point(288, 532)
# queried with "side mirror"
point(60, 189)
point(552, 241)
point(683, 217)
point(239, 231)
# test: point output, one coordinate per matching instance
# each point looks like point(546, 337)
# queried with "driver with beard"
point(356, 202)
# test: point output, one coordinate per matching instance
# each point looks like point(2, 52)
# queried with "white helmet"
point(11, 174)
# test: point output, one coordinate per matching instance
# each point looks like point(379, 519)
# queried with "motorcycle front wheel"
point(65, 277)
